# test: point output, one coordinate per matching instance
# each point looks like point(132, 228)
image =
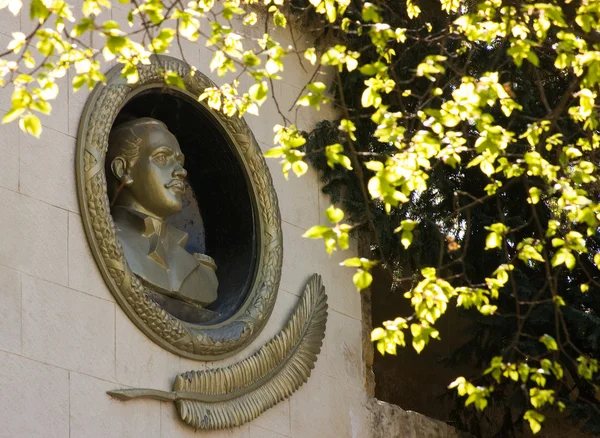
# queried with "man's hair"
point(125, 139)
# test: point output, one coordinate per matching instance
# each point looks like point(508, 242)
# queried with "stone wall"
point(64, 341)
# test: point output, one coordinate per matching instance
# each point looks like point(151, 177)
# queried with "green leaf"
point(534, 195)
point(316, 232)
point(377, 334)
point(565, 256)
point(406, 239)
point(41, 106)
point(31, 124)
point(353, 262)
point(116, 43)
point(549, 342)
point(12, 115)
point(172, 78)
point(299, 168)
point(493, 240)
point(535, 420)
point(334, 215)
point(429, 273)
point(362, 279)
point(258, 92)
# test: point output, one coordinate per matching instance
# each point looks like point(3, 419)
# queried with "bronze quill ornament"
point(231, 396)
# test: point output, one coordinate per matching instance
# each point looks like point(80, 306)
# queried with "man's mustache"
point(175, 182)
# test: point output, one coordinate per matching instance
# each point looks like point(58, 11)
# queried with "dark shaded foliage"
point(439, 229)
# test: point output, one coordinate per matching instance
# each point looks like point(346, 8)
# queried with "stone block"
point(188, 52)
point(10, 310)
point(301, 259)
point(259, 432)
point(391, 420)
point(342, 294)
point(119, 14)
point(139, 361)
point(9, 151)
point(95, 414)
point(298, 197)
point(8, 24)
point(105, 14)
point(173, 427)
point(328, 408)
point(84, 274)
point(77, 100)
point(274, 422)
point(6, 92)
point(317, 408)
point(34, 401)
point(344, 349)
point(68, 328)
point(27, 24)
point(35, 237)
point(46, 169)
point(58, 119)
point(268, 115)
point(359, 415)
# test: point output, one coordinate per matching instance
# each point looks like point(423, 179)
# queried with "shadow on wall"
point(418, 382)
point(415, 382)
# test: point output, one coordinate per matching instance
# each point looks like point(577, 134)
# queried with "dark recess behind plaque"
point(221, 189)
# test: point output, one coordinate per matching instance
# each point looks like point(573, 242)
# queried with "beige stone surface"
point(343, 296)
point(298, 197)
point(5, 39)
point(344, 355)
point(173, 427)
point(34, 237)
point(139, 361)
point(94, 413)
point(301, 258)
point(59, 118)
point(84, 274)
point(325, 407)
point(46, 169)
point(8, 24)
point(276, 420)
point(392, 421)
point(9, 151)
point(259, 432)
point(77, 100)
point(10, 310)
point(77, 343)
point(67, 328)
point(34, 399)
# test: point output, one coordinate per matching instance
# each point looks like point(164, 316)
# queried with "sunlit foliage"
point(467, 121)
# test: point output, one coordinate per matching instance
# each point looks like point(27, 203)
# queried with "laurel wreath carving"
point(201, 342)
point(231, 396)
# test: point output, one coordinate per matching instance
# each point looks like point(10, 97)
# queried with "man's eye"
point(160, 159)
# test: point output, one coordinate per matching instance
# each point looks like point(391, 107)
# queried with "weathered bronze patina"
point(146, 184)
point(113, 240)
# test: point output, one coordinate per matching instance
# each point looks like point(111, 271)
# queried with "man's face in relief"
point(157, 175)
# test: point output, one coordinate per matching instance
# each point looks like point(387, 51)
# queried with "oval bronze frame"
point(193, 341)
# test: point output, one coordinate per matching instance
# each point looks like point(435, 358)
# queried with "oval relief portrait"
point(179, 211)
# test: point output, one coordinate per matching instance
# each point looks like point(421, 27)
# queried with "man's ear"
point(119, 170)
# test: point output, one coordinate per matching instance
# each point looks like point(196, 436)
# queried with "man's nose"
point(180, 172)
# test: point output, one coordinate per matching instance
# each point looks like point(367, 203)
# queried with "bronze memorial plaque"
point(180, 212)
point(182, 218)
